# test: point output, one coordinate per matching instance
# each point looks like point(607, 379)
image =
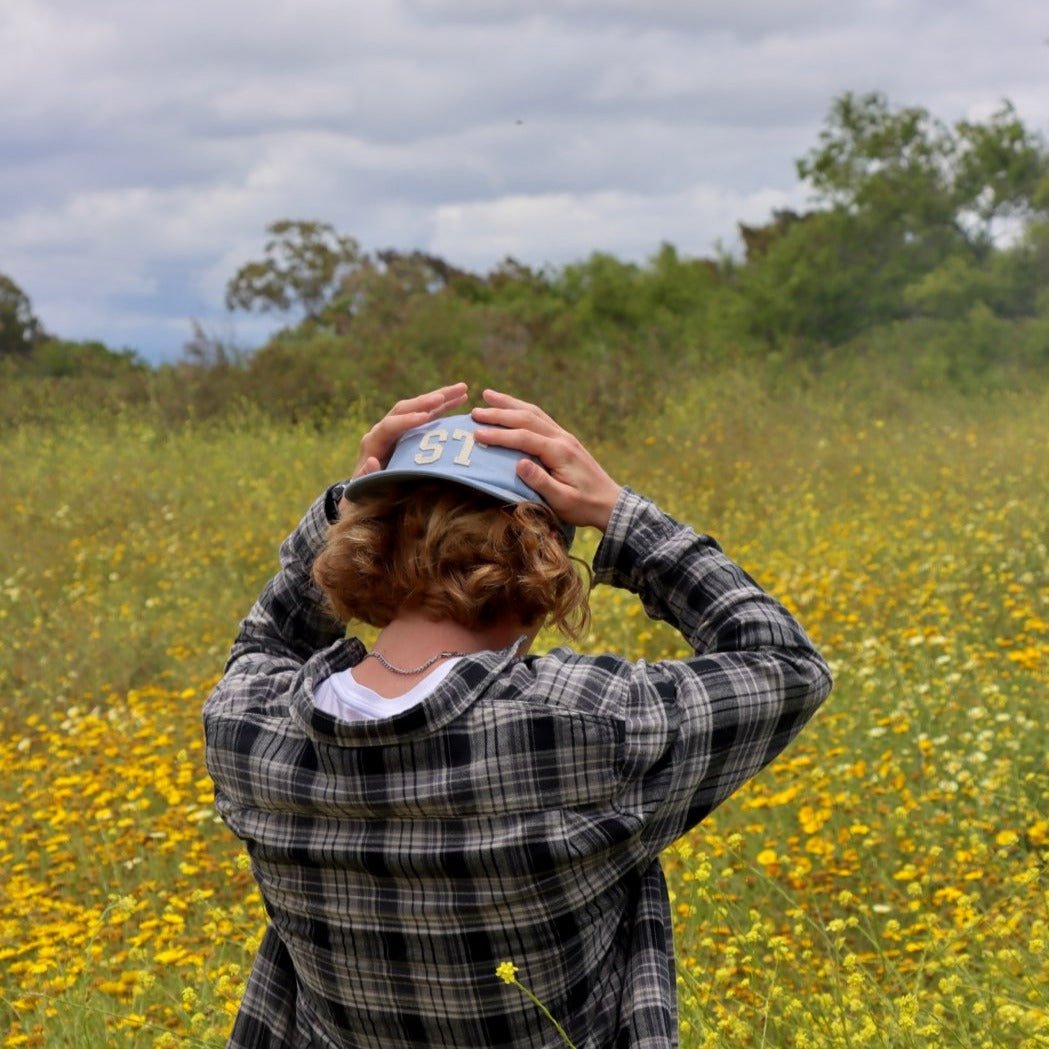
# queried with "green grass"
point(883, 884)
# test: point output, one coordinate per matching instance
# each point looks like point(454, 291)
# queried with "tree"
point(305, 266)
point(603, 291)
point(20, 331)
point(206, 351)
point(1002, 172)
point(913, 215)
point(758, 239)
point(945, 187)
point(822, 278)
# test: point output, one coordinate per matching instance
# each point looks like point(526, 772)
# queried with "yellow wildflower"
point(507, 972)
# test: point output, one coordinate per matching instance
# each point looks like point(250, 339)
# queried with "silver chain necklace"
point(417, 670)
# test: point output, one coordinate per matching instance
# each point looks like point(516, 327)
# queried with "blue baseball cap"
point(447, 450)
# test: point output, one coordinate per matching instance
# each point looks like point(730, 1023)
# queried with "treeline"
point(924, 262)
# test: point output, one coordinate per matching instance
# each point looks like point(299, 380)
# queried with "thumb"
point(369, 466)
point(533, 475)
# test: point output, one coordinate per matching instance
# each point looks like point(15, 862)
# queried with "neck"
point(412, 637)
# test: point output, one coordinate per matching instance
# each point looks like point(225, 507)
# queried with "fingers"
point(504, 410)
point(512, 423)
point(517, 419)
point(416, 410)
point(525, 427)
point(519, 440)
point(378, 443)
point(424, 407)
point(390, 427)
point(497, 397)
point(435, 401)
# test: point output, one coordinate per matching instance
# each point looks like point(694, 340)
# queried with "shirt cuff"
point(312, 530)
point(332, 498)
point(635, 526)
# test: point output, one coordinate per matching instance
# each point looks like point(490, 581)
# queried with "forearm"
point(685, 579)
point(289, 619)
point(700, 727)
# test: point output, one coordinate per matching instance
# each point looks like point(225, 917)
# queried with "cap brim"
point(382, 478)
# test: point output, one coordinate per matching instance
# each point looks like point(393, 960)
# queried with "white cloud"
point(749, 20)
point(144, 148)
point(560, 227)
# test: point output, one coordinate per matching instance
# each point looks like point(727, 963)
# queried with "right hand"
point(378, 443)
point(571, 480)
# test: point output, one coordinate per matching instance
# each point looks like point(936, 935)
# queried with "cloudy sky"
point(144, 147)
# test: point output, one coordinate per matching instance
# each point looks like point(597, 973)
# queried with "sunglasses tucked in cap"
point(447, 449)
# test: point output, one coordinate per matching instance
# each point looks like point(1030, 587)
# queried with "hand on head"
point(570, 480)
point(378, 443)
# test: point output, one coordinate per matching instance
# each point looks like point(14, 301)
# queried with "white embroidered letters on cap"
point(431, 451)
point(431, 447)
point(463, 458)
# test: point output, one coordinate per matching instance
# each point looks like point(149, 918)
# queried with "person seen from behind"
point(420, 813)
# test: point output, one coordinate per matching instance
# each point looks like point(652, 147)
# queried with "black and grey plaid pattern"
point(516, 814)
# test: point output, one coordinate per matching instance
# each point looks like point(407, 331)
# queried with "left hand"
point(378, 443)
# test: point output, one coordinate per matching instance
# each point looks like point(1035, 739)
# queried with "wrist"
point(607, 503)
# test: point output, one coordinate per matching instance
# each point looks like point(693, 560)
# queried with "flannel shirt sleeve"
point(697, 729)
point(287, 624)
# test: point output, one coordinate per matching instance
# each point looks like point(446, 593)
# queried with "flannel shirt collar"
point(468, 679)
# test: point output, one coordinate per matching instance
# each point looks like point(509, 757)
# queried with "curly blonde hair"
point(451, 553)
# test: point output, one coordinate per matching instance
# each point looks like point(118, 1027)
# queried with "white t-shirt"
point(343, 697)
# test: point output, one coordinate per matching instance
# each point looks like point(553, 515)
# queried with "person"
point(421, 814)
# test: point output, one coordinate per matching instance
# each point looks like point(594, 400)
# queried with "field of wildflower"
point(884, 883)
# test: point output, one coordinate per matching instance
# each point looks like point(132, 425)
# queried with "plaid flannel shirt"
point(516, 814)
